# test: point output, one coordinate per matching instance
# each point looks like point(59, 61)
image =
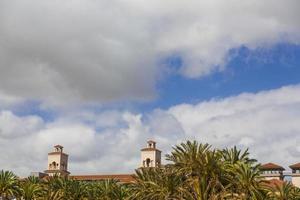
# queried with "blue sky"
point(247, 71)
point(102, 77)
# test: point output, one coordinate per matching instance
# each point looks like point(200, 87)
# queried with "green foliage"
point(195, 172)
point(107, 190)
point(30, 188)
point(158, 183)
point(286, 191)
point(8, 185)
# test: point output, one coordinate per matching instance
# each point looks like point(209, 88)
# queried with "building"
point(150, 156)
point(38, 174)
point(57, 162)
point(295, 174)
point(123, 178)
point(272, 171)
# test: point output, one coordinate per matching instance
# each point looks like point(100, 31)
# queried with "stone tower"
point(150, 156)
point(57, 162)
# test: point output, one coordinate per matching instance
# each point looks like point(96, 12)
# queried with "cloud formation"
point(109, 142)
point(103, 51)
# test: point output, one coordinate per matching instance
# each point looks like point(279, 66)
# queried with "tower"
point(296, 174)
point(272, 171)
point(57, 162)
point(150, 156)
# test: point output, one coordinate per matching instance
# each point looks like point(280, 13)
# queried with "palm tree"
point(8, 185)
point(52, 188)
point(188, 158)
point(121, 192)
point(31, 189)
point(296, 193)
point(233, 155)
point(284, 191)
point(201, 167)
point(110, 190)
point(244, 181)
point(242, 175)
point(72, 189)
point(33, 180)
point(92, 191)
point(158, 184)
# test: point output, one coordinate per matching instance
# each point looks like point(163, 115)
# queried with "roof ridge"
point(271, 165)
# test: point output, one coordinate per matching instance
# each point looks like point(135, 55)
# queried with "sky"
point(103, 77)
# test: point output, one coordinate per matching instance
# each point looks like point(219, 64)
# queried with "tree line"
point(195, 172)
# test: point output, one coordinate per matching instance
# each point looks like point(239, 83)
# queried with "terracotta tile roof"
point(124, 178)
point(295, 166)
point(151, 141)
point(271, 166)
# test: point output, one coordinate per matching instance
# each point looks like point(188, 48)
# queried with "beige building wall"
point(150, 156)
point(296, 180)
point(57, 162)
point(268, 177)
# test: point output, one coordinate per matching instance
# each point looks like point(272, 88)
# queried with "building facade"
point(150, 156)
point(272, 171)
point(57, 162)
point(295, 174)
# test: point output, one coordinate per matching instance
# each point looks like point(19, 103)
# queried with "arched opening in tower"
point(148, 161)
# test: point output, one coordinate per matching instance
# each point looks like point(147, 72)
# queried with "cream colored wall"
point(52, 174)
point(296, 180)
point(148, 154)
point(154, 156)
point(60, 173)
point(272, 178)
point(59, 159)
point(53, 158)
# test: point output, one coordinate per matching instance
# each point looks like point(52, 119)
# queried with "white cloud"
point(7, 101)
point(13, 126)
point(103, 51)
point(267, 122)
point(25, 144)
